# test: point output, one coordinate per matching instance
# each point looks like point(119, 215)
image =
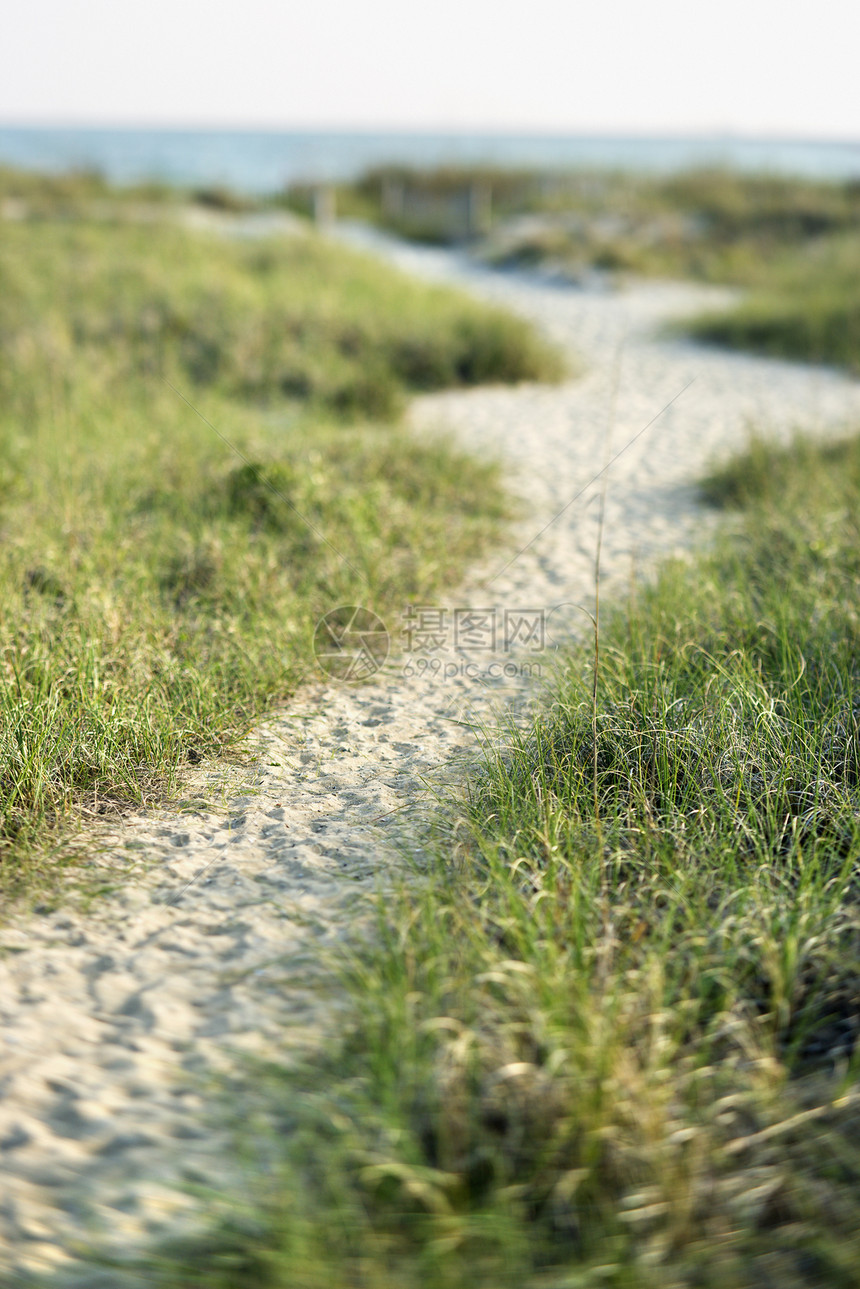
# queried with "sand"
point(123, 1017)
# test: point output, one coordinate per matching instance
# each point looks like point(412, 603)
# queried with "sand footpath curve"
point(116, 1018)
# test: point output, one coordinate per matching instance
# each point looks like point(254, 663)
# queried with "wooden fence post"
point(324, 206)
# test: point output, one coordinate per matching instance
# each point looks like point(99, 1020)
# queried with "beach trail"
point(125, 1017)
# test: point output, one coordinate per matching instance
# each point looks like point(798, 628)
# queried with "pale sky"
point(606, 66)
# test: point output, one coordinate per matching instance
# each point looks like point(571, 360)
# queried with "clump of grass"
point(802, 473)
point(161, 570)
point(612, 1036)
point(807, 310)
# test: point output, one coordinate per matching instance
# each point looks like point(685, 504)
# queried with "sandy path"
point(115, 1019)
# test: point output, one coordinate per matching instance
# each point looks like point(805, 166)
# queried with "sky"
point(750, 67)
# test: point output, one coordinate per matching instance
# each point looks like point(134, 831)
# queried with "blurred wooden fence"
point(449, 216)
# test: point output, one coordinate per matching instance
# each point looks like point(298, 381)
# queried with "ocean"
point(261, 161)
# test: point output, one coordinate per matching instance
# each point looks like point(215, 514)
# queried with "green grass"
point(77, 194)
point(160, 576)
point(289, 320)
point(74, 194)
point(609, 1036)
point(809, 309)
point(795, 243)
point(714, 224)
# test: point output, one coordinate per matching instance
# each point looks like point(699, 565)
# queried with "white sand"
point(116, 1017)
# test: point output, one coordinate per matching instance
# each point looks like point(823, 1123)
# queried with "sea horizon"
point(264, 159)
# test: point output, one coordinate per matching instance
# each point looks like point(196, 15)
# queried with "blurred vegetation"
point(795, 243)
point(158, 585)
point(807, 308)
point(610, 1037)
point(293, 319)
point(711, 224)
point(31, 194)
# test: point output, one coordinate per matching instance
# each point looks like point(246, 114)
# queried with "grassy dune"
point(610, 1039)
point(160, 576)
point(795, 243)
point(808, 308)
point(714, 224)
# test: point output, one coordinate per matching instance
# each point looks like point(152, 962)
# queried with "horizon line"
point(717, 134)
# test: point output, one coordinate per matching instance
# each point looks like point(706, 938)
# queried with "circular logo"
point(351, 643)
point(565, 623)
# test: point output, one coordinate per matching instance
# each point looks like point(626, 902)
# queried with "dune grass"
point(293, 319)
point(160, 574)
point(86, 194)
point(715, 224)
point(609, 1036)
point(795, 243)
point(808, 309)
